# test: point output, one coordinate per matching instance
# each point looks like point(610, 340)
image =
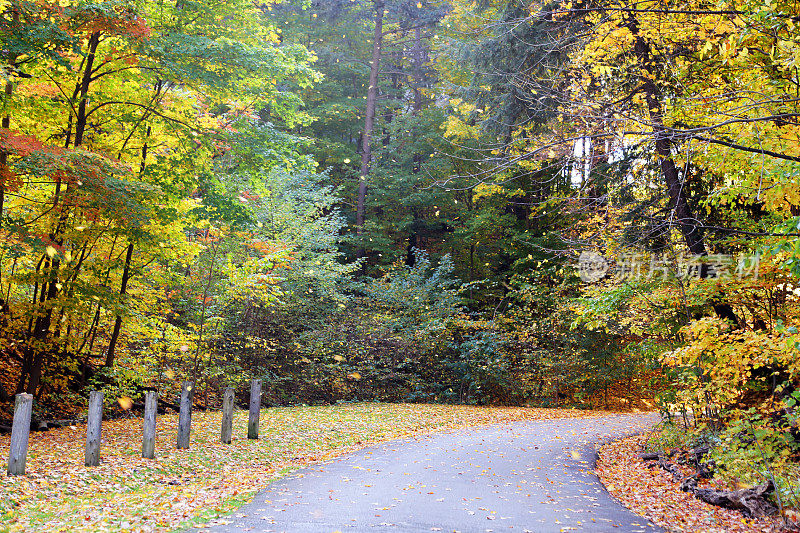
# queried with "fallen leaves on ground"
point(650, 491)
point(184, 487)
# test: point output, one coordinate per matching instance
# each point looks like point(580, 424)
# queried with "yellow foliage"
point(719, 361)
point(456, 128)
point(484, 190)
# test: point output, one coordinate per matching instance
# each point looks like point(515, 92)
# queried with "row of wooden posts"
point(24, 405)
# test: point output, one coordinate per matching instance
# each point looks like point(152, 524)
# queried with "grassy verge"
point(184, 487)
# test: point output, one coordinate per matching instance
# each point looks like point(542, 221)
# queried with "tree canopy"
point(554, 203)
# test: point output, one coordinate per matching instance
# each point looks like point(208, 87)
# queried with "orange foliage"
point(266, 247)
point(9, 180)
point(47, 90)
point(250, 196)
point(18, 143)
point(123, 23)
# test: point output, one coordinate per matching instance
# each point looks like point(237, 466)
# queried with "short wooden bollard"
point(255, 409)
point(93, 428)
point(23, 406)
point(185, 416)
point(227, 415)
point(149, 425)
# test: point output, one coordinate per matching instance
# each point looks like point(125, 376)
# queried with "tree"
point(139, 98)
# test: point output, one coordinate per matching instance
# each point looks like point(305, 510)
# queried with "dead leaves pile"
point(185, 487)
point(652, 493)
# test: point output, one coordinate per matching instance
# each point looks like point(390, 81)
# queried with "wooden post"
point(93, 428)
point(149, 425)
point(20, 430)
point(255, 409)
point(227, 415)
point(185, 417)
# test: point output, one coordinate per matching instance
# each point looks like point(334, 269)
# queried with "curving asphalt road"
point(530, 476)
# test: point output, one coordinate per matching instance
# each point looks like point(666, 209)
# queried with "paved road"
point(522, 476)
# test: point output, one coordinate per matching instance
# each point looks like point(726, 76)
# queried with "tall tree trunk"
point(418, 59)
point(126, 271)
point(80, 119)
point(369, 121)
point(690, 226)
point(417, 75)
point(205, 308)
point(6, 124)
point(123, 290)
point(417, 53)
point(44, 320)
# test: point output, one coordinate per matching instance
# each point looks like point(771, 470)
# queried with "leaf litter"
point(650, 491)
point(181, 488)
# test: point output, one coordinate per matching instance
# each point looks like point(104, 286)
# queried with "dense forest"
point(575, 203)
